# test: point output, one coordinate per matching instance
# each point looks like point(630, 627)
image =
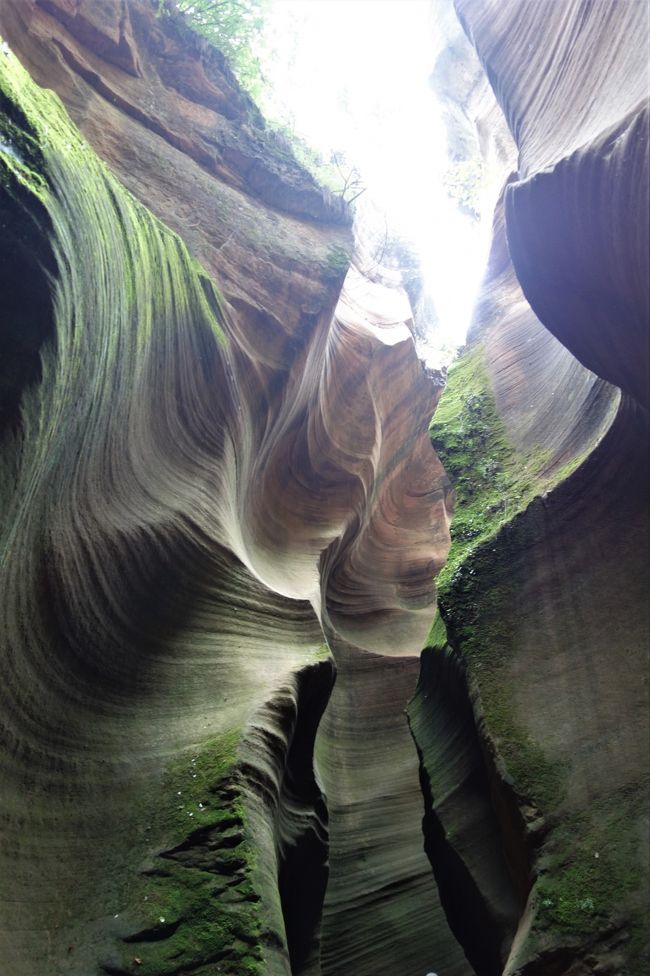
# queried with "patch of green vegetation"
point(191, 780)
point(493, 485)
point(337, 261)
point(464, 181)
point(491, 479)
point(188, 918)
point(535, 776)
point(237, 30)
point(334, 173)
point(126, 295)
point(125, 291)
point(591, 876)
point(437, 638)
point(323, 653)
point(199, 905)
point(139, 273)
point(234, 27)
point(480, 610)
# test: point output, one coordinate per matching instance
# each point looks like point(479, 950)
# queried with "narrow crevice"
point(154, 933)
point(277, 768)
point(209, 876)
point(465, 909)
point(462, 833)
point(304, 867)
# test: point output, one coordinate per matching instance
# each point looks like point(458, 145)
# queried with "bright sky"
point(356, 80)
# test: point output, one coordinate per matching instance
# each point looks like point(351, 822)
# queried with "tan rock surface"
point(200, 484)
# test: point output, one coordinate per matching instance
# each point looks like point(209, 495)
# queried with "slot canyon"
point(316, 661)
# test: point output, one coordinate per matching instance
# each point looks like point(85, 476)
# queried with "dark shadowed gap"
point(464, 906)
point(462, 832)
point(26, 264)
point(304, 866)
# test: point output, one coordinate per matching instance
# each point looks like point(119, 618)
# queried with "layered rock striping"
point(200, 481)
point(544, 595)
point(218, 490)
point(577, 106)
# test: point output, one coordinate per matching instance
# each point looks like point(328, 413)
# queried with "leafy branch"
point(235, 27)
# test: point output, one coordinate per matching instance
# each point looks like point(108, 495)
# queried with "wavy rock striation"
point(198, 482)
point(382, 910)
point(577, 106)
point(543, 639)
point(216, 481)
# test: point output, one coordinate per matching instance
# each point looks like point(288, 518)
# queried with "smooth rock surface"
point(572, 80)
point(545, 594)
point(190, 474)
point(215, 474)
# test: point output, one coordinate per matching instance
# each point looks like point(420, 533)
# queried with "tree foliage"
point(464, 181)
point(236, 28)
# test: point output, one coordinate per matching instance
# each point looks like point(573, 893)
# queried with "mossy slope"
point(493, 483)
point(501, 587)
point(194, 904)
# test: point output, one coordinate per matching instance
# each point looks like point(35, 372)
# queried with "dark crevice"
point(277, 770)
point(302, 882)
point(466, 912)
point(304, 868)
point(208, 838)
point(553, 962)
point(463, 836)
point(153, 934)
point(26, 268)
point(216, 849)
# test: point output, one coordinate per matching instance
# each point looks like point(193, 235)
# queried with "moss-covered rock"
point(525, 599)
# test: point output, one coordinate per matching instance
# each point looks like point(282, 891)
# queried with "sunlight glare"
point(354, 76)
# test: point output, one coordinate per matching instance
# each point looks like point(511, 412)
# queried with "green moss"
point(480, 608)
point(189, 918)
point(591, 876)
point(437, 637)
point(491, 479)
point(337, 261)
point(234, 28)
point(322, 653)
point(138, 272)
point(17, 155)
point(493, 483)
point(536, 778)
point(133, 312)
point(197, 906)
point(191, 780)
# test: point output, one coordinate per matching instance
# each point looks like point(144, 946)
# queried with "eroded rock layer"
point(544, 595)
point(572, 80)
point(382, 910)
point(195, 481)
point(215, 474)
